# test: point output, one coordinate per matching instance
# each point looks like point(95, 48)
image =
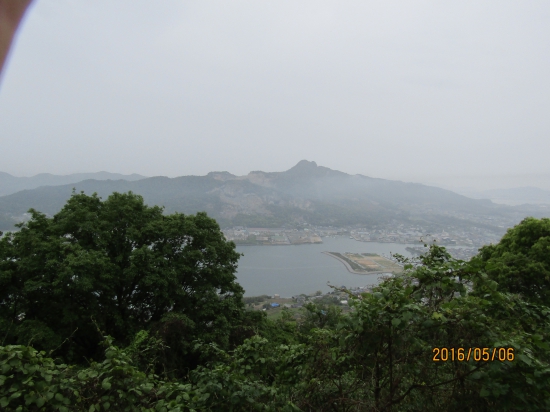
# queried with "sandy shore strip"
point(349, 268)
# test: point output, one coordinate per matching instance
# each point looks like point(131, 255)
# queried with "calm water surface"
point(291, 270)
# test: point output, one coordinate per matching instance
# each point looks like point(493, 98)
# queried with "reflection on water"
point(291, 270)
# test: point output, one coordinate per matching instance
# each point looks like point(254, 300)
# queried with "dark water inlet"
point(292, 270)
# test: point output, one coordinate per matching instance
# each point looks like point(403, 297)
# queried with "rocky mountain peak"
point(307, 169)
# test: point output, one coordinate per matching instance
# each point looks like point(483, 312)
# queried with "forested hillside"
point(113, 305)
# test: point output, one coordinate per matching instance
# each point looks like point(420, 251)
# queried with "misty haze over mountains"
point(512, 196)
point(11, 184)
point(306, 193)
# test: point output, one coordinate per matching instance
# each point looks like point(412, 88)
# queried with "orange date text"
point(476, 354)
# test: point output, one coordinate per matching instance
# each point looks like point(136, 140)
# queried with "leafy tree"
point(318, 315)
point(520, 262)
point(123, 265)
point(32, 381)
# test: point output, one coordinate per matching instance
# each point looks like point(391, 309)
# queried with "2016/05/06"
point(478, 354)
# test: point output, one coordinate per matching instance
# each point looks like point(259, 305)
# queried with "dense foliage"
point(122, 265)
point(520, 263)
point(377, 357)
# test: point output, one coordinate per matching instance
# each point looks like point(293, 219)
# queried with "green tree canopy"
point(123, 265)
point(520, 262)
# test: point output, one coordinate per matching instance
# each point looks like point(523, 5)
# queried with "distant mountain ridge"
point(514, 196)
point(306, 193)
point(11, 184)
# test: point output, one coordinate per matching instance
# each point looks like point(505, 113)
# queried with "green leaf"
point(524, 358)
point(476, 375)
point(395, 321)
point(406, 316)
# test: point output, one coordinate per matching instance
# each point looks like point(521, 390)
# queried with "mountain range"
point(512, 196)
point(11, 184)
point(306, 193)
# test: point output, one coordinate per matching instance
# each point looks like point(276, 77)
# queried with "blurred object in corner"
point(11, 13)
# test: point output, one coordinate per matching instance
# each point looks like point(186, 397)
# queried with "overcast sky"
point(409, 90)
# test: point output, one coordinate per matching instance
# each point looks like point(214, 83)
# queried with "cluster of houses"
point(398, 233)
point(458, 252)
point(342, 298)
point(271, 236)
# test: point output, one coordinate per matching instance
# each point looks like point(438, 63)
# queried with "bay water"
point(294, 269)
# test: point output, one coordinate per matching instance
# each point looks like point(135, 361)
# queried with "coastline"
point(350, 269)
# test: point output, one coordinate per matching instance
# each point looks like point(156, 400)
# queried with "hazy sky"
point(411, 90)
